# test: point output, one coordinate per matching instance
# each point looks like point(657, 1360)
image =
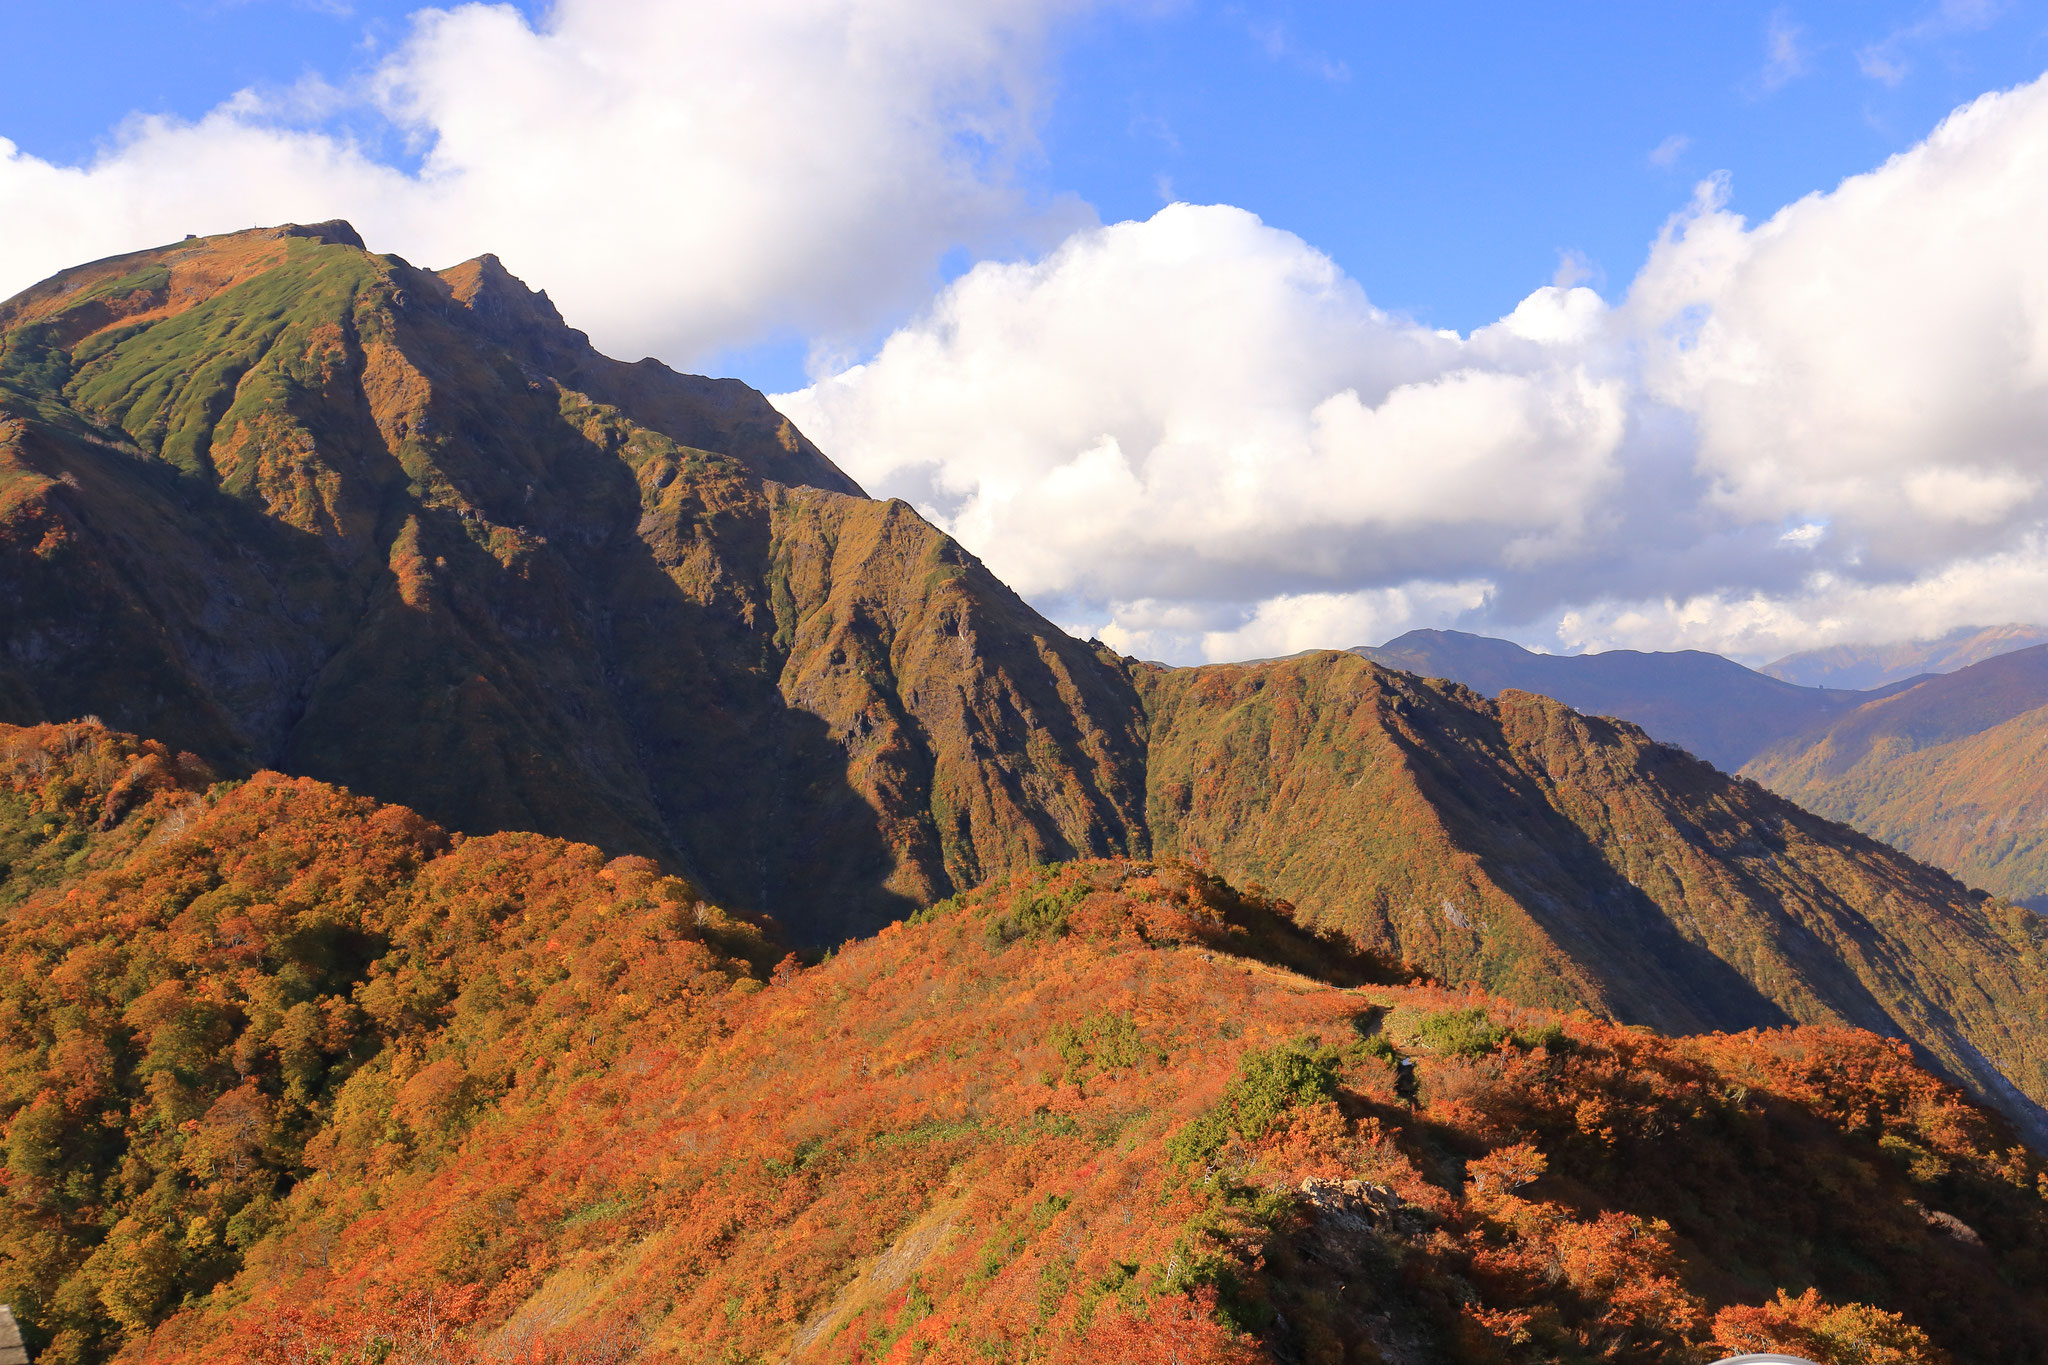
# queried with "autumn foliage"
point(241, 987)
point(1849, 1334)
point(291, 1077)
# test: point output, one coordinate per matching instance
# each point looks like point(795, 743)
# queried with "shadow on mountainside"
point(682, 744)
point(1844, 930)
point(466, 622)
point(1607, 925)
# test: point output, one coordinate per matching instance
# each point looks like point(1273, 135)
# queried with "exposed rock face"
point(1345, 1216)
point(12, 1352)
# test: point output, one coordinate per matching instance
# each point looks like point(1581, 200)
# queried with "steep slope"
point(271, 499)
point(278, 501)
point(1949, 770)
point(204, 986)
point(1868, 666)
point(290, 1075)
point(1711, 706)
point(1564, 860)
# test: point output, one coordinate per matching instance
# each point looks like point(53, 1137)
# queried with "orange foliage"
point(363, 1092)
point(242, 989)
point(1849, 1334)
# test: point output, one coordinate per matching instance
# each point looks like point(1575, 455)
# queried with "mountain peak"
point(489, 290)
point(333, 232)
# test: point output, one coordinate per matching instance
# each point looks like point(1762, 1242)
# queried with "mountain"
point(1570, 861)
point(1862, 667)
point(288, 1074)
point(276, 502)
point(1712, 706)
point(1949, 770)
point(280, 502)
point(1943, 767)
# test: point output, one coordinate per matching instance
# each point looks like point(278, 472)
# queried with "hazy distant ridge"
point(1953, 769)
point(1702, 702)
point(1866, 666)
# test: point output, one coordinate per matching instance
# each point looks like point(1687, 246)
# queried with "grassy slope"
point(255, 490)
point(382, 1095)
point(205, 987)
point(1561, 859)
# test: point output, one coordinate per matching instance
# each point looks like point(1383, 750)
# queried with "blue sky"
point(935, 230)
point(1447, 156)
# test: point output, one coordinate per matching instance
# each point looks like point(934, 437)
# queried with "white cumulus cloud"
point(680, 177)
point(1196, 434)
point(1879, 353)
point(1201, 408)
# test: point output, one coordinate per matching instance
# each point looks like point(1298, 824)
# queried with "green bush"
point(1036, 912)
point(1460, 1033)
point(1097, 1043)
point(1268, 1084)
point(1379, 1048)
point(1473, 1033)
point(1550, 1037)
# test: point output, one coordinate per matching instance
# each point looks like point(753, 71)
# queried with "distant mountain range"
point(1951, 770)
point(1861, 667)
point(1943, 764)
point(1712, 706)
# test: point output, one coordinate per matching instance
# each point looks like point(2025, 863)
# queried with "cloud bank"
point(1196, 437)
point(680, 177)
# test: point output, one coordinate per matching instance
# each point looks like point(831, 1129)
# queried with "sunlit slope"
point(1949, 770)
point(208, 989)
point(280, 501)
point(1564, 859)
point(286, 1074)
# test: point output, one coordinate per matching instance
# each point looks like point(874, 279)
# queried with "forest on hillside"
point(291, 1075)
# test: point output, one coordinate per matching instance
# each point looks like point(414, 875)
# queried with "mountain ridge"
point(1562, 859)
point(279, 502)
point(1944, 770)
point(1862, 667)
